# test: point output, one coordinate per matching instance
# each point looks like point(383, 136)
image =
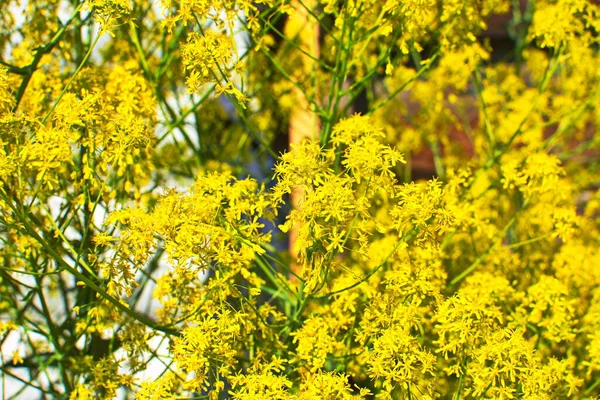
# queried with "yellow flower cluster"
point(433, 234)
point(336, 207)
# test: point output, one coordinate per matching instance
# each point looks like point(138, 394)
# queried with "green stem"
point(118, 303)
point(41, 52)
point(592, 387)
point(68, 85)
point(371, 273)
point(482, 257)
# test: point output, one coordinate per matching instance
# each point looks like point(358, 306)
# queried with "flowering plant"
point(227, 199)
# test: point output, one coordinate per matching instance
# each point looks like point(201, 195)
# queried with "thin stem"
point(68, 85)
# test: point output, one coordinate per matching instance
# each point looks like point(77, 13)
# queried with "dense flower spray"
point(436, 235)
